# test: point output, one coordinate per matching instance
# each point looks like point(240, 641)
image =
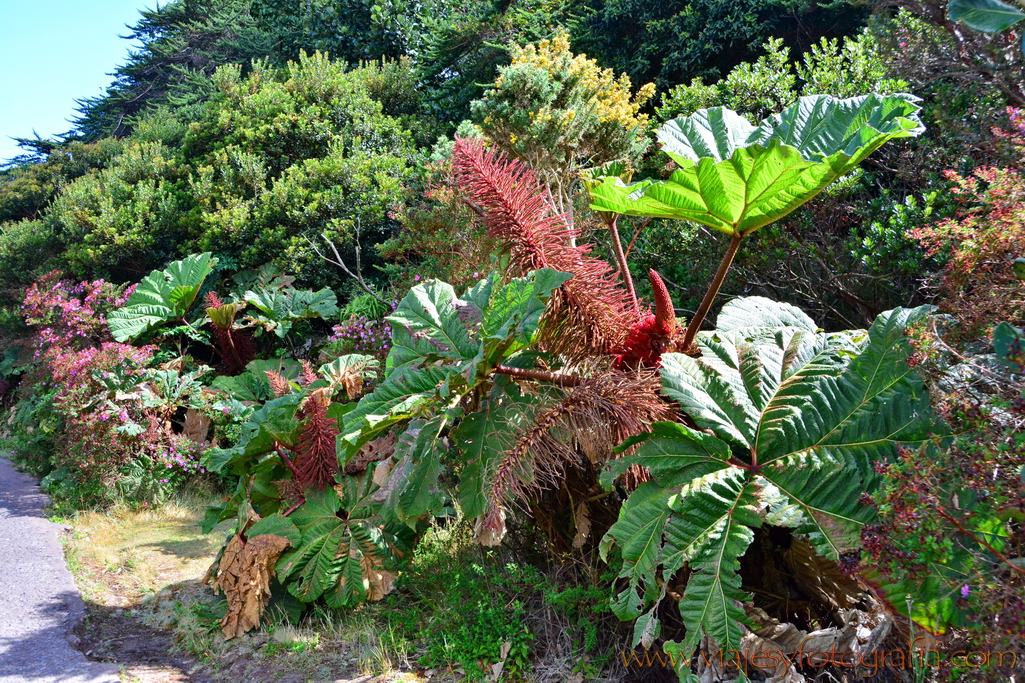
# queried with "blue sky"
point(53, 52)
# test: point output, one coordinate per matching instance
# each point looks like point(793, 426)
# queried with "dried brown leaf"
point(582, 522)
point(197, 426)
point(377, 580)
point(244, 576)
point(489, 529)
point(376, 450)
point(819, 577)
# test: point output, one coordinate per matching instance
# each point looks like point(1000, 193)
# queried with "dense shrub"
point(95, 418)
point(951, 520)
point(981, 282)
point(275, 159)
point(562, 112)
point(772, 82)
point(670, 43)
point(438, 236)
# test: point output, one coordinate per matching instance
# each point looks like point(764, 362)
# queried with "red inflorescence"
point(318, 462)
point(654, 335)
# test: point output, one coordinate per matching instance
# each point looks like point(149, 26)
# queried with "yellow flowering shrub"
point(561, 112)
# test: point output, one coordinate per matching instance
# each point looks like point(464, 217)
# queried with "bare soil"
point(144, 653)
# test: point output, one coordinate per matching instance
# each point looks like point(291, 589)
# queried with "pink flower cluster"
point(101, 433)
point(362, 335)
point(72, 371)
point(69, 315)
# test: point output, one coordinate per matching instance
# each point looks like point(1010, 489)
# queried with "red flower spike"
point(279, 385)
point(665, 314)
point(653, 335)
point(318, 459)
point(591, 312)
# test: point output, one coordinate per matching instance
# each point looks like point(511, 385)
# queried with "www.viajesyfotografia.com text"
point(872, 662)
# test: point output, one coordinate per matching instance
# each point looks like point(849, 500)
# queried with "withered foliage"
point(593, 417)
point(379, 581)
point(376, 450)
point(244, 575)
point(317, 459)
point(196, 427)
point(591, 313)
point(347, 377)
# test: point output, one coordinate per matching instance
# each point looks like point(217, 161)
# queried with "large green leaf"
point(432, 322)
point(736, 177)
point(422, 444)
point(715, 515)
point(638, 533)
point(813, 411)
point(272, 424)
point(162, 295)
point(253, 384)
point(790, 422)
point(280, 309)
point(342, 544)
point(841, 133)
point(756, 311)
point(876, 402)
point(744, 362)
point(673, 453)
point(707, 524)
point(349, 372)
point(514, 311)
point(988, 16)
point(402, 395)
point(279, 525)
point(820, 428)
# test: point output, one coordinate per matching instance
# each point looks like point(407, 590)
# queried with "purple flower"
point(965, 590)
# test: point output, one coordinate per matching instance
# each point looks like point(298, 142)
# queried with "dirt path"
point(39, 603)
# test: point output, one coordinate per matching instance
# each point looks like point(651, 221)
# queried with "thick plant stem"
point(713, 290)
point(624, 269)
point(540, 376)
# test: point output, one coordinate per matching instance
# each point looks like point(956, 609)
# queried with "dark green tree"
point(183, 42)
point(353, 30)
point(673, 42)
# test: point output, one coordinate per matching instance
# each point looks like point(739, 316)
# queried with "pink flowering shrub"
point(102, 442)
point(68, 315)
point(980, 283)
point(93, 445)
